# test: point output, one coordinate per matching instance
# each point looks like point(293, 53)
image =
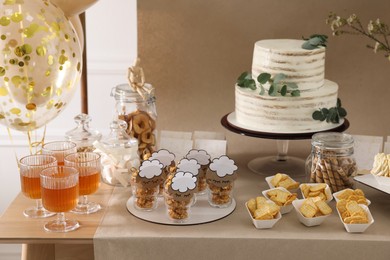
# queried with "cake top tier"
point(287, 45)
point(304, 67)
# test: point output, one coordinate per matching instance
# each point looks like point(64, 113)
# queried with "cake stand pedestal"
point(283, 163)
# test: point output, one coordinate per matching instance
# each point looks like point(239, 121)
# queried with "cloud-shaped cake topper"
point(223, 166)
point(200, 155)
point(189, 165)
point(183, 182)
point(150, 169)
point(164, 156)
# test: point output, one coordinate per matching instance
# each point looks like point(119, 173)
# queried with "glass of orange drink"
point(59, 149)
point(30, 167)
point(89, 167)
point(60, 191)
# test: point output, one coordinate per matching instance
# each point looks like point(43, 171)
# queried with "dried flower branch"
point(376, 30)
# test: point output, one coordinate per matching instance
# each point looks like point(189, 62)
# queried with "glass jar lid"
point(118, 136)
point(332, 140)
point(83, 135)
point(126, 93)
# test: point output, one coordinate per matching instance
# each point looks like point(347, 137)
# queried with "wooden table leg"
point(38, 252)
point(57, 251)
point(74, 252)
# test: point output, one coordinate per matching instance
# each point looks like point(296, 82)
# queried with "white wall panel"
point(112, 48)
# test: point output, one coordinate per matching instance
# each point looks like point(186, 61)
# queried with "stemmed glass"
point(60, 191)
point(30, 167)
point(59, 149)
point(88, 165)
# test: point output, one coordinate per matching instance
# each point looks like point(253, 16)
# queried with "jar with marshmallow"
point(220, 182)
point(119, 153)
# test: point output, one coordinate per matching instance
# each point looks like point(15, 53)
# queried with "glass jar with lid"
point(119, 154)
point(83, 135)
point(332, 160)
point(138, 110)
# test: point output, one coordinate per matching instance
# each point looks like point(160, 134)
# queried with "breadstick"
point(318, 177)
point(329, 171)
point(345, 178)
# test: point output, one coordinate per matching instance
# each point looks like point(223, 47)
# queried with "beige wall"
point(193, 51)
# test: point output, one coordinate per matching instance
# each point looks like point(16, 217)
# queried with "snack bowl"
point(382, 180)
point(309, 222)
point(358, 228)
point(268, 179)
point(328, 192)
point(336, 194)
point(283, 209)
point(263, 224)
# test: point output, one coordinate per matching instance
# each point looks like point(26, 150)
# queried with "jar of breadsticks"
point(332, 161)
point(135, 104)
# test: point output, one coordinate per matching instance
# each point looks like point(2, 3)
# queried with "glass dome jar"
point(331, 160)
point(119, 154)
point(139, 112)
point(83, 135)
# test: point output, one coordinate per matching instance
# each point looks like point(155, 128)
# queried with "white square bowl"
point(309, 222)
point(283, 209)
point(269, 178)
point(328, 192)
point(339, 192)
point(263, 224)
point(358, 228)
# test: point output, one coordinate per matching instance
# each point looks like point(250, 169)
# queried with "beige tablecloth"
point(123, 236)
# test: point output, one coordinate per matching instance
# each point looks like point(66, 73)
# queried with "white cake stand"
point(270, 165)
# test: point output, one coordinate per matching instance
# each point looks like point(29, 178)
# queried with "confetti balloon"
point(72, 7)
point(40, 63)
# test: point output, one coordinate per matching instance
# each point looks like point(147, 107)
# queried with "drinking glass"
point(30, 167)
point(60, 192)
point(59, 149)
point(88, 165)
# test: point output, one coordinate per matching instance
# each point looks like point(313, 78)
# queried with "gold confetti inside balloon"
point(40, 63)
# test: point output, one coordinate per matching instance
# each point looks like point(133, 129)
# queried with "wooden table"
point(39, 244)
point(114, 233)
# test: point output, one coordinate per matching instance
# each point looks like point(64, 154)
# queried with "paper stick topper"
point(150, 173)
point(201, 156)
point(189, 165)
point(222, 171)
point(182, 186)
point(164, 156)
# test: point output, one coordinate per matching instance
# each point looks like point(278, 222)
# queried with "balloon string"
point(36, 144)
point(13, 145)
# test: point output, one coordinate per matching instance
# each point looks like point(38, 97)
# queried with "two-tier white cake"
point(285, 114)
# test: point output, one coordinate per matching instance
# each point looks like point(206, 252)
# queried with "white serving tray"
point(369, 180)
point(200, 213)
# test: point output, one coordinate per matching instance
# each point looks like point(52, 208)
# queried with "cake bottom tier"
point(284, 114)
